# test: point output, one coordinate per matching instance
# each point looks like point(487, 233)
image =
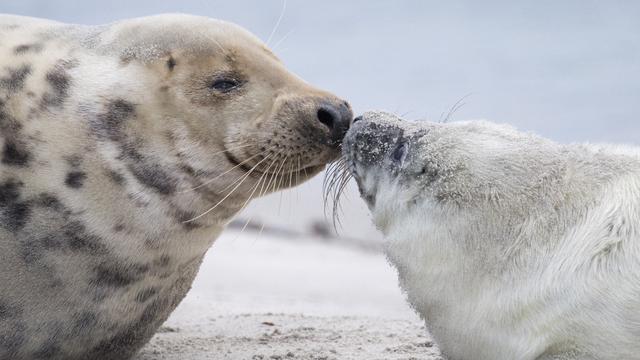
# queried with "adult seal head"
point(510, 246)
point(124, 150)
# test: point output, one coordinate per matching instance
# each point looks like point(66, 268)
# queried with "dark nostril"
point(336, 117)
point(357, 119)
point(326, 117)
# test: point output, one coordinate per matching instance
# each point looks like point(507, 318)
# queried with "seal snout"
point(336, 115)
point(373, 139)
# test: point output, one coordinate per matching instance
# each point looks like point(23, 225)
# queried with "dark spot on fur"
point(153, 176)
point(118, 228)
point(146, 294)
point(182, 217)
point(163, 261)
point(116, 177)
point(171, 63)
point(9, 311)
point(113, 277)
point(49, 201)
point(75, 179)
point(117, 274)
point(14, 213)
point(15, 80)
point(83, 322)
point(149, 173)
point(188, 170)
point(109, 124)
point(124, 344)
point(10, 192)
point(79, 239)
point(49, 349)
point(12, 336)
point(59, 80)
point(28, 48)
point(65, 236)
point(15, 154)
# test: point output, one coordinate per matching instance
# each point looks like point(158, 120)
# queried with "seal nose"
point(337, 117)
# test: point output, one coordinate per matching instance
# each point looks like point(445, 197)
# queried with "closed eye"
point(225, 85)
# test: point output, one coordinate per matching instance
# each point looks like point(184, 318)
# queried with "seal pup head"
point(227, 101)
point(410, 170)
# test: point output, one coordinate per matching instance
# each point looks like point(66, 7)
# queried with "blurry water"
point(569, 70)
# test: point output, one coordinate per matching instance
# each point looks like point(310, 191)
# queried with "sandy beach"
point(273, 297)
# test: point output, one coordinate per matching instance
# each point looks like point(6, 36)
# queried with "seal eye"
point(399, 153)
point(225, 85)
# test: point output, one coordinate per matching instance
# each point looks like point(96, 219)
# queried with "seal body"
point(510, 246)
point(124, 150)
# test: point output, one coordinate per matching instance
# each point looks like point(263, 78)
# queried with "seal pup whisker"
point(336, 179)
point(457, 106)
point(337, 206)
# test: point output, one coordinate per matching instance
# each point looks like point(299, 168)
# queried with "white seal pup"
point(510, 246)
point(124, 150)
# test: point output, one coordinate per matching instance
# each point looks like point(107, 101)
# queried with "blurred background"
point(568, 70)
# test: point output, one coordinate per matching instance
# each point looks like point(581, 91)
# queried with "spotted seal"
point(124, 150)
point(509, 245)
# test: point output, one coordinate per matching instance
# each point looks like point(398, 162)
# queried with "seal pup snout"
point(379, 149)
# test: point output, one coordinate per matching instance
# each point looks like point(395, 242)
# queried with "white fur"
point(539, 258)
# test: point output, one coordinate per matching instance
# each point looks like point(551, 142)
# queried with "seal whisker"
point(291, 170)
point(335, 182)
point(275, 28)
point(337, 207)
point(330, 174)
point(245, 176)
point(298, 181)
point(331, 178)
point(457, 106)
point(271, 177)
point(281, 178)
point(262, 177)
point(275, 46)
point(260, 193)
point(224, 173)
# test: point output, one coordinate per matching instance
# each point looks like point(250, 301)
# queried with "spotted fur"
point(109, 139)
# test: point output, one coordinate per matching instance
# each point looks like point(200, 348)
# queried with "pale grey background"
point(569, 70)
